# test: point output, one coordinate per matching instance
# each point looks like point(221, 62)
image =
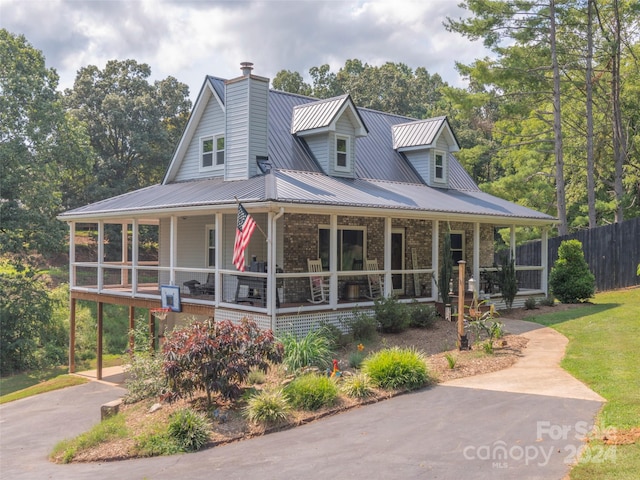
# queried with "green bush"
point(547, 301)
point(189, 429)
point(530, 303)
point(363, 327)
point(356, 358)
point(144, 378)
point(312, 350)
point(156, 444)
point(392, 316)
point(422, 315)
point(267, 406)
point(395, 368)
point(311, 392)
point(570, 279)
point(357, 386)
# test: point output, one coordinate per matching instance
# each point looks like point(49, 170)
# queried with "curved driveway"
point(485, 429)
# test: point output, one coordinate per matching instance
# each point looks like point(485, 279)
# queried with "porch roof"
point(305, 188)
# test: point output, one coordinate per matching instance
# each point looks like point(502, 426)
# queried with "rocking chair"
point(376, 285)
point(319, 285)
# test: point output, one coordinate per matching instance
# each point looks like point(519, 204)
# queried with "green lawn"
point(604, 352)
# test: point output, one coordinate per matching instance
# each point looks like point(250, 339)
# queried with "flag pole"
point(257, 226)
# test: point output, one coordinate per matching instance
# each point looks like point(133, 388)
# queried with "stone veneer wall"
point(486, 242)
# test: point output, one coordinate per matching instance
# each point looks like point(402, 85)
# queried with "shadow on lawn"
point(584, 310)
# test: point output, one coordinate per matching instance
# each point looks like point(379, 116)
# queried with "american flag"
point(246, 226)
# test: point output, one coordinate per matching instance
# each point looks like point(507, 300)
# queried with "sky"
point(193, 38)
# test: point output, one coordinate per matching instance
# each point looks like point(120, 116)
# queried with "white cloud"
point(190, 39)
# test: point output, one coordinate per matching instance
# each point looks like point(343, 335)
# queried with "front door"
point(397, 259)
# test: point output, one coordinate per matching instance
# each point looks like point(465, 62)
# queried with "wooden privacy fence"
point(612, 252)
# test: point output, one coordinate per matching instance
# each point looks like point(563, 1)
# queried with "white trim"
point(445, 167)
point(347, 153)
point(215, 166)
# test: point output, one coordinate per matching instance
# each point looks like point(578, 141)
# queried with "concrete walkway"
point(494, 430)
point(538, 372)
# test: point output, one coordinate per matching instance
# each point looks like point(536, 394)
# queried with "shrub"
point(334, 335)
point(312, 350)
point(357, 386)
point(256, 377)
point(422, 315)
point(508, 282)
point(570, 279)
point(144, 378)
point(356, 358)
point(189, 429)
point(267, 406)
point(155, 444)
point(395, 368)
point(547, 301)
point(452, 360)
point(311, 392)
point(216, 357)
point(363, 327)
point(530, 303)
point(392, 316)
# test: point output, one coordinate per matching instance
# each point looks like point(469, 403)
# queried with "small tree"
point(508, 281)
point(570, 280)
point(216, 357)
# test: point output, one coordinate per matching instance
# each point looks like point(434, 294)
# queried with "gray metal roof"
point(384, 177)
point(313, 115)
point(417, 133)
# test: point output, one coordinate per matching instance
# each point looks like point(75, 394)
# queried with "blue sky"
point(190, 39)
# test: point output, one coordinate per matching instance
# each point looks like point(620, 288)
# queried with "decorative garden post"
point(463, 341)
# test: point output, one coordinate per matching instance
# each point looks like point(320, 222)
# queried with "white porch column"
point(388, 286)
point(173, 249)
point(72, 254)
point(476, 255)
point(100, 255)
point(124, 272)
point(435, 257)
point(218, 258)
point(512, 242)
point(333, 262)
point(135, 252)
point(544, 260)
point(271, 271)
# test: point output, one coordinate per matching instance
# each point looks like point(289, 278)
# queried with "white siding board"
point(211, 123)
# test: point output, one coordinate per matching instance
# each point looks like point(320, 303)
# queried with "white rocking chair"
point(376, 285)
point(319, 285)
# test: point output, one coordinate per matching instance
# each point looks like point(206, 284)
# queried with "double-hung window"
point(439, 167)
point(457, 246)
point(206, 150)
point(211, 246)
point(219, 150)
point(343, 162)
point(212, 152)
point(351, 244)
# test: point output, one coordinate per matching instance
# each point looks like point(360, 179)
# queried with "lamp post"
point(463, 341)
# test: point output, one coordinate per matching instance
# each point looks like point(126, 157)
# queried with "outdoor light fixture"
point(472, 285)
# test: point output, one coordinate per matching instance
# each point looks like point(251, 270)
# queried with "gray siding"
point(421, 161)
point(258, 129)
point(319, 146)
point(211, 123)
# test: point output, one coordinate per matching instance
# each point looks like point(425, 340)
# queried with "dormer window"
point(212, 152)
point(439, 164)
point(342, 154)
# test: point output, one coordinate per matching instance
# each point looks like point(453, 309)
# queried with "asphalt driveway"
point(443, 432)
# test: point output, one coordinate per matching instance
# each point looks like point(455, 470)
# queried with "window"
point(211, 246)
point(207, 152)
point(457, 246)
point(351, 252)
point(210, 148)
point(342, 153)
point(220, 150)
point(439, 164)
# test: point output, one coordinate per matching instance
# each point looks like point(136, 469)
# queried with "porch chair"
point(319, 285)
point(209, 288)
point(376, 285)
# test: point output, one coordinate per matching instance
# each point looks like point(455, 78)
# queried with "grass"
point(604, 341)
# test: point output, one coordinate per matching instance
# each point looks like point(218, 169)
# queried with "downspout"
point(272, 268)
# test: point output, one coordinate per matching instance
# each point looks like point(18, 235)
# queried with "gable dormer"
point(330, 128)
point(427, 144)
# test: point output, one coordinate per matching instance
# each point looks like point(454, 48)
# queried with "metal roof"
point(384, 177)
point(417, 133)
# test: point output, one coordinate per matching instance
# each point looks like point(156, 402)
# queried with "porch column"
point(333, 262)
point(476, 255)
point(72, 254)
point(99, 349)
point(388, 286)
point(100, 255)
point(435, 257)
point(124, 272)
point(544, 261)
point(173, 249)
point(135, 248)
point(218, 259)
point(271, 270)
point(72, 335)
point(512, 242)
